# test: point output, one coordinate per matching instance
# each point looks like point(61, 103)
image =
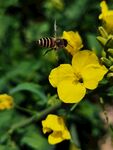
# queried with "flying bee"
point(52, 42)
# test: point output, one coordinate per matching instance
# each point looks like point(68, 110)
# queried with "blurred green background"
point(24, 70)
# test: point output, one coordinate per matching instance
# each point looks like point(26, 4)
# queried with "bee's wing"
point(55, 28)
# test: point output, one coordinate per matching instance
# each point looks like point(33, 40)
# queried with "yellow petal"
point(83, 58)
point(53, 122)
point(92, 74)
point(70, 92)
point(74, 41)
point(55, 137)
point(108, 23)
point(66, 134)
point(64, 71)
point(104, 9)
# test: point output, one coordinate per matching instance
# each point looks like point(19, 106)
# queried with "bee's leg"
point(47, 51)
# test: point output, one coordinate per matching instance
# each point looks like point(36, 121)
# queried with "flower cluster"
point(106, 37)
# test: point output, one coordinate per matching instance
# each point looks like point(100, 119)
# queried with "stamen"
point(78, 78)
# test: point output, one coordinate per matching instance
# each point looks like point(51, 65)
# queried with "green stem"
point(38, 116)
point(25, 110)
point(73, 107)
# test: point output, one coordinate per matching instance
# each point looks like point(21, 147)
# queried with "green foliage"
point(35, 140)
point(110, 91)
point(24, 72)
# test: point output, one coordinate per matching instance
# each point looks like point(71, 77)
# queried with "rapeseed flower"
point(107, 17)
point(74, 41)
point(6, 101)
point(55, 125)
point(72, 81)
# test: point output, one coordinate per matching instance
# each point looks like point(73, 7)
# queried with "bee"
point(52, 42)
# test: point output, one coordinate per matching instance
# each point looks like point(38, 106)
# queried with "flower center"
point(78, 78)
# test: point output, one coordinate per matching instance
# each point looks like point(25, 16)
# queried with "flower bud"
point(106, 61)
point(103, 32)
point(110, 50)
point(109, 43)
point(111, 59)
point(101, 40)
point(111, 68)
point(110, 75)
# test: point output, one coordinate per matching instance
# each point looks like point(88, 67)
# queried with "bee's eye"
point(65, 42)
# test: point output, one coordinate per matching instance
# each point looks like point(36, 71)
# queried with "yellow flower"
point(6, 101)
point(56, 127)
point(73, 80)
point(74, 41)
point(107, 17)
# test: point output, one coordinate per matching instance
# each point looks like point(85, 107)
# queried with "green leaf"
point(2, 147)
point(6, 22)
point(34, 31)
point(5, 117)
point(31, 87)
point(110, 91)
point(36, 141)
point(8, 147)
point(26, 70)
point(88, 110)
point(74, 135)
point(93, 44)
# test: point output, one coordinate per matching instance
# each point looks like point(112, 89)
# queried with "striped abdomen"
point(46, 42)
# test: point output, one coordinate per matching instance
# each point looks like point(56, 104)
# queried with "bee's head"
point(61, 43)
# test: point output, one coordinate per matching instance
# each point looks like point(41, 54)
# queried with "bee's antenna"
point(55, 28)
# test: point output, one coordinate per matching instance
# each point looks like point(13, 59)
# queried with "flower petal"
point(66, 134)
point(64, 71)
point(74, 41)
point(83, 58)
point(107, 23)
point(104, 9)
point(55, 137)
point(70, 92)
point(92, 74)
point(53, 122)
